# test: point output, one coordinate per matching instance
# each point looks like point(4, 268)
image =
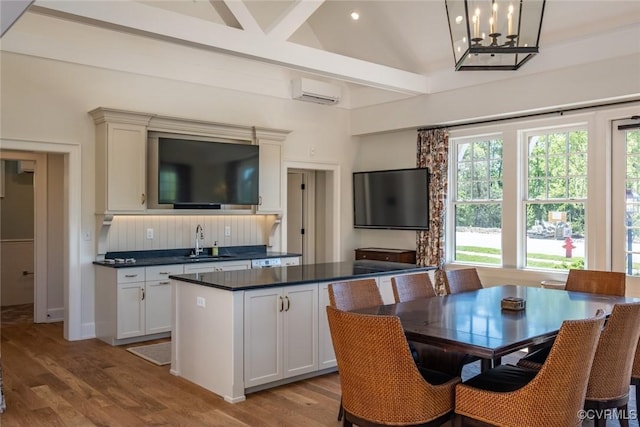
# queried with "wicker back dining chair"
point(553, 396)
point(608, 386)
point(635, 375)
point(596, 282)
point(381, 384)
point(354, 294)
point(408, 287)
point(418, 285)
point(462, 280)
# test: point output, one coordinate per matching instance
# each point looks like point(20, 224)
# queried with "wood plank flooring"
point(53, 382)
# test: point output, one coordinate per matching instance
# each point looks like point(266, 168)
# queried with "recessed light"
point(458, 19)
point(355, 15)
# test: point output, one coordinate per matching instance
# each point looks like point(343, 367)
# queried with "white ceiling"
point(399, 46)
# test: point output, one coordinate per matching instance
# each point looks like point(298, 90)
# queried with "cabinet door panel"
point(263, 336)
point(131, 311)
point(300, 329)
point(158, 306)
point(327, 358)
point(126, 166)
point(271, 176)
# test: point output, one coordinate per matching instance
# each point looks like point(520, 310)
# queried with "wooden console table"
point(385, 254)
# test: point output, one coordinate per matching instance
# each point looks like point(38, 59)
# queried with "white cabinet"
point(210, 267)
point(133, 303)
point(326, 356)
point(121, 147)
point(158, 297)
point(271, 174)
point(293, 260)
point(280, 333)
point(130, 310)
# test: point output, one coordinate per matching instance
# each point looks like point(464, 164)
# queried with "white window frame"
point(523, 138)
point(453, 191)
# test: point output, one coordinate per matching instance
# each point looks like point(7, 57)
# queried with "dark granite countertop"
point(182, 256)
point(240, 280)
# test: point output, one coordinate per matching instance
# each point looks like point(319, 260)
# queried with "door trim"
point(334, 223)
point(73, 292)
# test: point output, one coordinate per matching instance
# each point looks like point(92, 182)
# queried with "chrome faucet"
point(199, 235)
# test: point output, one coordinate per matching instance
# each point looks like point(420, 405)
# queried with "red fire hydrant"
point(568, 247)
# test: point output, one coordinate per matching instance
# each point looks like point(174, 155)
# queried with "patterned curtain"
point(433, 149)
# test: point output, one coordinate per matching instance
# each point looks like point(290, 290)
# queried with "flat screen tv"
point(391, 199)
point(194, 173)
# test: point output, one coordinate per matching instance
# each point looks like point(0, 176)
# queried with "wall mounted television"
point(391, 199)
point(193, 173)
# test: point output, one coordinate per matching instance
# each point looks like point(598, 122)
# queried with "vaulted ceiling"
point(396, 45)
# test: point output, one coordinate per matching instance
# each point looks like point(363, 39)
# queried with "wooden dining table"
point(474, 322)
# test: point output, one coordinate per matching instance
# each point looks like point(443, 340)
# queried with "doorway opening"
point(313, 206)
point(65, 244)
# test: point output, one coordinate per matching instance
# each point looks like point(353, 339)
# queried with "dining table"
point(476, 324)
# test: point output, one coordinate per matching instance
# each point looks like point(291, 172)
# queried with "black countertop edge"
point(241, 280)
point(181, 256)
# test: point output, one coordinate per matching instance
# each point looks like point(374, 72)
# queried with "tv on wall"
point(391, 199)
point(193, 173)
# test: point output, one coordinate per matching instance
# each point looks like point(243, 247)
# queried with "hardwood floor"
point(53, 382)
point(49, 381)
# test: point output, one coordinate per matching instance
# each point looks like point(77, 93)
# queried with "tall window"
point(478, 201)
point(632, 199)
point(555, 198)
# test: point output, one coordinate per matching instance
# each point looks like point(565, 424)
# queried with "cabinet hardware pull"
point(130, 275)
point(288, 303)
point(143, 199)
point(281, 305)
point(142, 289)
point(164, 283)
point(260, 200)
point(166, 273)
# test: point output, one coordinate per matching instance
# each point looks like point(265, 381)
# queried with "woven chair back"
point(635, 368)
point(614, 356)
point(354, 294)
point(555, 395)
point(379, 379)
point(412, 286)
point(463, 280)
point(596, 282)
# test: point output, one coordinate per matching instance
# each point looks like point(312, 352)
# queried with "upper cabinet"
point(271, 177)
point(121, 157)
point(121, 142)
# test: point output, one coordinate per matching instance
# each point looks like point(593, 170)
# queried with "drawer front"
point(376, 256)
point(290, 261)
point(128, 275)
point(162, 272)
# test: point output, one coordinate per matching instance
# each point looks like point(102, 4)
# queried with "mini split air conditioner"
point(315, 91)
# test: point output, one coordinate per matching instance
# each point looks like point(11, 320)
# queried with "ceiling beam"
point(293, 18)
point(139, 18)
point(244, 17)
point(10, 12)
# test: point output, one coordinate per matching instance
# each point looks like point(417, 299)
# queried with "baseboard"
point(88, 330)
point(55, 315)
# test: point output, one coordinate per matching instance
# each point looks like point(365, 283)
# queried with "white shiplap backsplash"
point(129, 232)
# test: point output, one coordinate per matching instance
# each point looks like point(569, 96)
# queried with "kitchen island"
point(236, 332)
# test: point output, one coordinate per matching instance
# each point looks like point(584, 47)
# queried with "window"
point(631, 139)
point(477, 202)
point(555, 198)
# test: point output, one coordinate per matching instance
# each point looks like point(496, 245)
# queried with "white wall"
point(45, 100)
point(601, 81)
